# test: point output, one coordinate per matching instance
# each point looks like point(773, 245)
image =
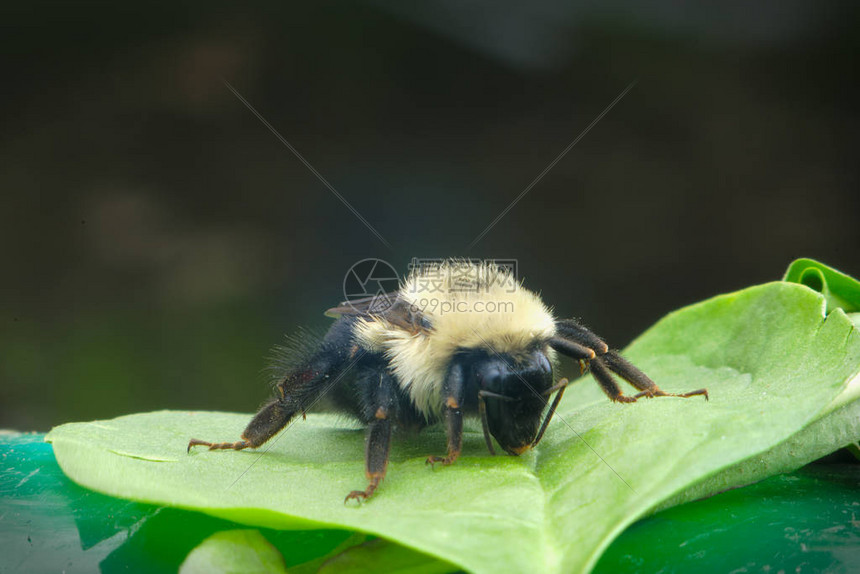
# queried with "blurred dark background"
point(157, 239)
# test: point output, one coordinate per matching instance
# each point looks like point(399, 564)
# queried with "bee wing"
point(373, 305)
point(390, 307)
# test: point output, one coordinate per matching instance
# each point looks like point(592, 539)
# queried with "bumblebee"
point(457, 339)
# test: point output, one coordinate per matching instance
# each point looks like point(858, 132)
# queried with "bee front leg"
point(578, 342)
point(607, 383)
point(614, 362)
point(630, 373)
point(454, 394)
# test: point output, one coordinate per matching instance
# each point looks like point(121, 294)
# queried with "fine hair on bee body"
point(486, 347)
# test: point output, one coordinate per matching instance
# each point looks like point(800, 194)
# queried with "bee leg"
point(612, 361)
point(378, 444)
point(578, 342)
point(379, 405)
point(607, 382)
point(571, 331)
point(299, 390)
point(630, 373)
point(572, 349)
point(454, 392)
point(271, 418)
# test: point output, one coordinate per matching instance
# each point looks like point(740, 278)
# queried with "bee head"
point(513, 392)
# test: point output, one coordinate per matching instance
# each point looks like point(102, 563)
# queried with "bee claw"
point(445, 460)
point(238, 445)
point(197, 442)
point(358, 495)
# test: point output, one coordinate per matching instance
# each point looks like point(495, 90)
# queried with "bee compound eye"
point(490, 378)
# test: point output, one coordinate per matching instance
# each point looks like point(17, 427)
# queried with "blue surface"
point(808, 521)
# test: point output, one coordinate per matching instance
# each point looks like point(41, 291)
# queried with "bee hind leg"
point(238, 445)
point(300, 389)
point(270, 419)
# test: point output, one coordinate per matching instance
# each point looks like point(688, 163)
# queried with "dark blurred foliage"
point(157, 239)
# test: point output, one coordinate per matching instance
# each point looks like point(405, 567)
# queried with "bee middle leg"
point(379, 407)
point(454, 394)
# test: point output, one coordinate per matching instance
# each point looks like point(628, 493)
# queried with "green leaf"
point(776, 368)
point(840, 291)
point(366, 558)
point(234, 552)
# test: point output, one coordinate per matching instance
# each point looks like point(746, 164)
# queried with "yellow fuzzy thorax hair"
point(469, 306)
